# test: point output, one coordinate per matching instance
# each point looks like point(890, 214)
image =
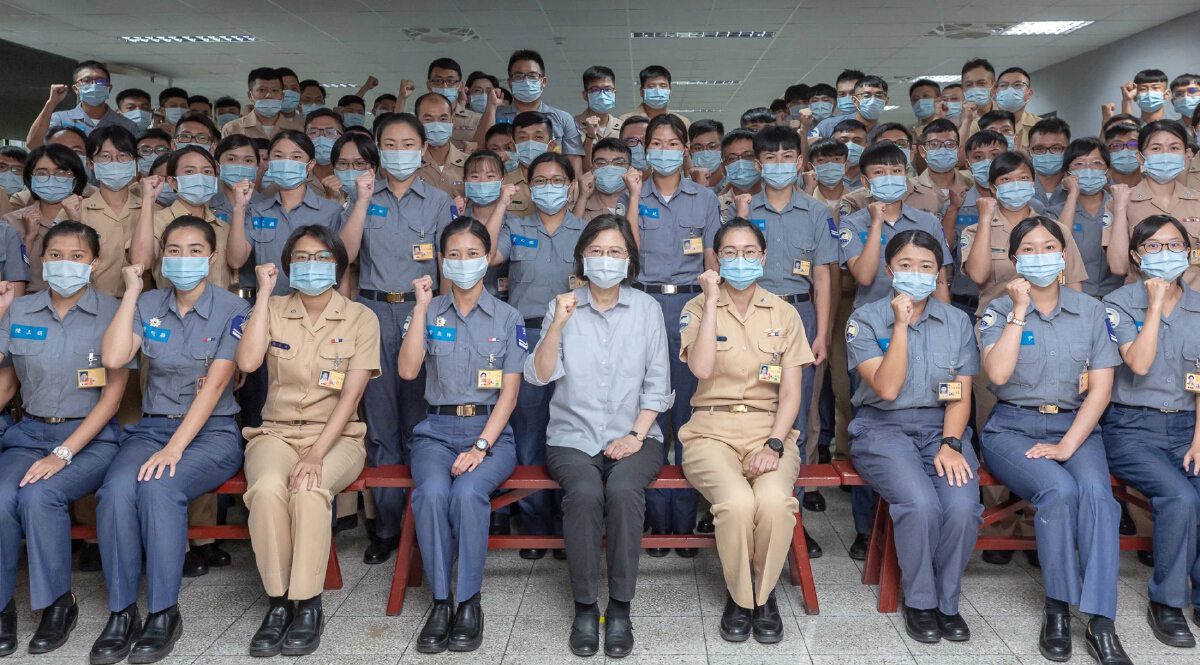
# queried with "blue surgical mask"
point(656, 98)
point(235, 173)
point(1012, 141)
point(1091, 181)
point(821, 110)
point(527, 151)
point(287, 173)
point(291, 101)
point(185, 272)
point(1125, 161)
point(354, 120)
point(830, 173)
point(605, 271)
point(664, 162)
point(268, 108)
point(140, 118)
point(1163, 167)
point(846, 105)
point(918, 285)
point(324, 149)
point(707, 159)
point(941, 160)
point(871, 108)
point(1041, 269)
point(66, 277)
point(173, 114)
point(780, 175)
point(980, 171)
point(115, 175)
point(889, 188)
point(1010, 99)
point(1165, 265)
point(53, 189)
point(923, 108)
point(166, 198)
point(741, 272)
point(1186, 106)
point(1048, 163)
point(794, 111)
point(93, 94)
point(197, 188)
point(145, 163)
point(1150, 101)
point(450, 94)
point(742, 174)
point(511, 163)
point(309, 108)
point(482, 193)
point(226, 118)
point(438, 133)
point(479, 102)
point(10, 182)
point(400, 163)
point(550, 198)
point(1014, 195)
point(348, 176)
point(638, 157)
point(978, 96)
point(953, 109)
point(855, 151)
point(465, 273)
point(602, 102)
point(610, 179)
point(527, 91)
point(312, 278)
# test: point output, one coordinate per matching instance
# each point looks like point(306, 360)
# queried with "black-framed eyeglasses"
point(1154, 247)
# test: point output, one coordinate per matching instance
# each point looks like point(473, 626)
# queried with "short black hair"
point(385, 97)
point(950, 86)
point(705, 126)
point(263, 74)
point(635, 120)
point(63, 158)
point(1007, 162)
point(1178, 81)
point(822, 89)
point(849, 125)
point(975, 63)
point(739, 134)
point(233, 142)
point(1027, 225)
point(132, 93)
point(997, 115)
point(530, 119)
point(882, 153)
point(1051, 125)
point(346, 100)
point(758, 114)
point(172, 93)
point(653, 71)
point(778, 105)
point(607, 222)
point(918, 237)
point(1114, 131)
point(201, 119)
point(526, 54)
point(465, 224)
point(444, 63)
point(156, 133)
point(848, 75)
point(1151, 128)
point(597, 73)
point(434, 97)
point(361, 140)
point(1147, 76)
point(799, 92)
point(189, 222)
point(121, 138)
point(402, 118)
point(14, 152)
point(490, 156)
point(613, 143)
point(476, 75)
point(322, 234)
point(69, 227)
point(199, 99)
point(871, 81)
point(1146, 229)
point(923, 83)
point(884, 127)
point(557, 158)
point(287, 71)
point(227, 101)
point(827, 148)
point(323, 113)
point(776, 137)
point(313, 83)
point(1083, 146)
point(65, 129)
point(671, 121)
point(1016, 70)
point(739, 223)
point(504, 128)
point(90, 64)
point(985, 137)
point(299, 138)
point(175, 156)
point(939, 126)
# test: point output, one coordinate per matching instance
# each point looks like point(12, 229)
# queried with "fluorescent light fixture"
point(696, 110)
point(1046, 27)
point(890, 108)
point(701, 35)
point(697, 82)
point(940, 78)
point(158, 39)
point(341, 85)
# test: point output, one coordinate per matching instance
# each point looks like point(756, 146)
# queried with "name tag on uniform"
point(522, 241)
point(377, 211)
point(1078, 227)
point(441, 333)
point(645, 211)
point(949, 391)
point(574, 282)
point(280, 345)
point(1194, 257)
point(490, 378)
point(1027, 338)
point(802, 267)
point(862, 237)
point(422, 251)
point(770, 373)
point(1191, 382)
point(156, 334)
point(693, 245)
point(884, 342)
point(94, 377)
point(264, 222)
point(224, 217)
point(502, 284)
point(27, 332)
point(966, 220)
point(761, 224)
point(331, 379)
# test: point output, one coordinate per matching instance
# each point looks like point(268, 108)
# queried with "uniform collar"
point(178, 210)
point(1142, 192)
point(798, 201)
point(455, 157)
point(486, 302)
point(759, 300)
point(1190, 300)
point(686, 186)
point(335, 309)
point(624, 295)
point(203, 306)
point(310, 198)
point(934, 309)
point(97, 202)
point(570, 221)
point(88, 302)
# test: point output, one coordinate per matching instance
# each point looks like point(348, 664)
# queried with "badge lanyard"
point(490, 378)
point(950, 390)
point(332, 378)
point(92, 376)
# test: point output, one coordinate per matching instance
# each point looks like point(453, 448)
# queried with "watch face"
point(481, 444)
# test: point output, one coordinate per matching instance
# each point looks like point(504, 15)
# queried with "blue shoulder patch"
point(522, 339)
point(833, 229)
point(1111, 335)
point(24, 254)
point(238, 325)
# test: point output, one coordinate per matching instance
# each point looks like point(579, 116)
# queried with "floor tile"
point(867, 635)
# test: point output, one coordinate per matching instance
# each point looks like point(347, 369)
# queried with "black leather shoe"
point(8, 628)
point(559, 554)
point(858, 551)
point(55, 627)
point(1126, 526)
point(814, 548)
point(213, 555)
point(618, 635)
point(193, 565)
point(1032, 557)
point(304, 635)
point(380, 549)
point(998, 557)
point(736, 621)
point(814, 501)
point(658, 552)
point(922, 625)
point(347, 523)
point(952, 626)
point(687, 552)
point(585, 633)
point(435, 636)
point(114, 643)
point(466, 631)
point(766, 624)
point(823, 455)
point(159, 635)
point(1106, 648)
point(531, 554)
point(1055, 641)
point(1146, 558)
point(268, 639)
point(89, 558)
point(499, 525)
point(705, 525)
point(1169, 625)
point(1196, 616)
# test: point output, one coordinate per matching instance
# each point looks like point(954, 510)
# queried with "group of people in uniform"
point(489, 281)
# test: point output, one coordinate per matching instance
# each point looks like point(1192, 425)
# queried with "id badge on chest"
point(1083, 378)
point(693, 245)
point(574, 282)
point(332, 378)
point(1194, 257)
point(490, 377)
point(502, 284)
point(200, 381)
point(950, 390)
point(802, 267)
point(93, 376)
point(771, 372)
point(1191, 380)
point(422, 251)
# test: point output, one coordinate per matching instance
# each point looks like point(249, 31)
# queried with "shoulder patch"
point(1113, 317)
point(851, 330)
point(685, 320)
point(24, 254)
point(844, 237)
point(844, 209)
point(1111, 334)
point(988, 319)
point(238, 325)
point(963, 241)
point(833, 229)
point(522, 339)
point(1106, 220)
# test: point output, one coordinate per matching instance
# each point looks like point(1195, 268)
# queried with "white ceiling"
point(344, 41)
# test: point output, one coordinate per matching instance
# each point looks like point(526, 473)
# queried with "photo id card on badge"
point(423, 252)
point(770, 373)
point(490, 379)
point(949, 391)
point(693, 245)
point(574, 282)
point(332, 378)
point(802, 267)
point(93, 376)
point(502, 284)
point(1194, 257)
point(1191, 382)
point(1083, 379)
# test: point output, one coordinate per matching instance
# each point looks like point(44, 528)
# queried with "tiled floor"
point(528, 613)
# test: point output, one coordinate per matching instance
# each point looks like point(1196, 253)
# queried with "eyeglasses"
point(903, 144)
point(325, 256)
point(713, 145)
point(108, 158)
point(1117, 146)
point(531, 76)
point(92, 80)
point(357, 165)
point(1097, 164)
point(148, 150)
point(1041, 149)
point(596, 89)
point(864, 96)
point(748, 253)
point(445, 83)
point(17, 169)
point(610, 252)
point(633, 141)
point(1019, 85)
point(188, 137)
point(934, 144)
point(601, 163)
point(731, 158)
point(43, 175)
point(557, 181)
point(328, 132)
point(1185, 92)
point(1154, 247)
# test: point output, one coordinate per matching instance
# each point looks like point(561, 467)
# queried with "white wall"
point(1077, 87)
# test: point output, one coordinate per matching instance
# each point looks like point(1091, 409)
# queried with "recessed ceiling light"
point(890, 108)
point(941, 78)
point(1046, 27)
point(697, 82)
point(188, 39)
point(698, 35)
point(442, 35)
point(341, 85)
point(696, 110)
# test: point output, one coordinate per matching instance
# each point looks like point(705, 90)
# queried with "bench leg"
point(408, 532)
point(333, 570)
point(889, 582)
point(874, 562)
point(415, 566)
point(802, 568)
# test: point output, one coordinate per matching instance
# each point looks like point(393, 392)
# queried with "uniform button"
point(918, 357)
point(1051, 353)
point(743, 348)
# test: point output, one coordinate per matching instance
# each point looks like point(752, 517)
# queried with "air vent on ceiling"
point(968, 30)
point(441, 35)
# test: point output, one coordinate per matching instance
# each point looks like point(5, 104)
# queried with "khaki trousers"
point(290, 532)
point(753, 516)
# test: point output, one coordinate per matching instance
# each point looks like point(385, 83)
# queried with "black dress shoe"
point(705, 525)
point(824, 456)
point(766, 623)
point(998, 557)
point(89, 558)
point(8, 628)
point(687, 552)
point(1126, 527)
point(499, 525)
point(658, 552)
point(1032, 557)
point(347, 523)
point(1106, 648)
point(736, 621)
point(618, 635)
point(531, 554)
point(560, 554)
point(304, 635)
point(858, 551)
point(55, 627)
point(814, 548)
point(159, 635)
point(114, 643)
point(268, 639)
point(193, 565)
point(380, 549)
point(585, 633)
point(1055, 641)
point(1169, 625)
point(814, 502)
point(1196, 616)
point(922, 625)
point(952, 626)
point(1146, 558)
point(466, 631)
point(435, 636)
point(213, 555)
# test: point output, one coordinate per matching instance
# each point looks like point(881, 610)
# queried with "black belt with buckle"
point(535, 323)
point(797, 297)
point(1043, 408)
point(293, 423)
point(172, 416)
point(247, 293)
point(669, 289)
point(1144, 408)
point(461, 410)
point(387, 296)
point(49, 421)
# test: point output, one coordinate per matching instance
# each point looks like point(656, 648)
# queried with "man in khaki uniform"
point(265, 92)
point(1014, 82)
point(442, 163)
point(654, 79)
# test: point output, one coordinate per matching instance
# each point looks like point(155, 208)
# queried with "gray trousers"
point(601, 497)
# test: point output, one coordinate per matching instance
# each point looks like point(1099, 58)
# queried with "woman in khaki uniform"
point(320, 349)
point(747, 348)
point(113, 210)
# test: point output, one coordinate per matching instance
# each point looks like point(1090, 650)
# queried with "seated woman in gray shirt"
point(605, 345)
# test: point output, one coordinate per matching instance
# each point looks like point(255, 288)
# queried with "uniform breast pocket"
point(375, 217)
point(1191, 356)
point(521, 267)
point(201, 357)
point(340, 353)
point(773, 346)
point(648, 217)
point(944, 366)
point(1080, 352)
point(441, 354)
point(491, 355)
point(25, 347)
point(152, 348)
point(566, 252)
point(263, 229)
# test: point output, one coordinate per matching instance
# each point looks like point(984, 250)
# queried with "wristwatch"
point(63, 453)
point(481, 444)
point(639, 437)
point(954, 442)
point(776, 445)
point(1011, 319)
